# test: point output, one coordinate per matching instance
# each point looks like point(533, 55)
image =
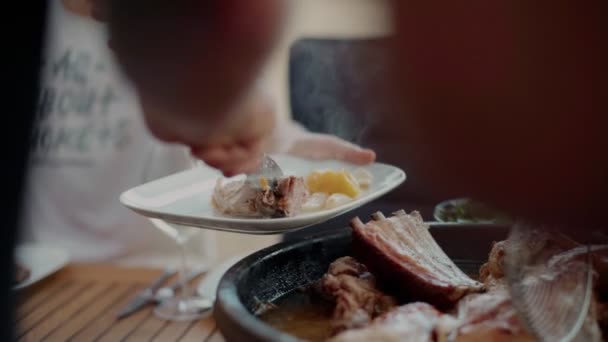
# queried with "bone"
point(378, 216)
point(400, 212)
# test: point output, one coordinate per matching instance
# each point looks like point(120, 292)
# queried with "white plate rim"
point(61, 261)
point(397, 178)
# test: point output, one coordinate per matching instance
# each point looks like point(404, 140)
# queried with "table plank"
point(199, 331)
point(109, 273)
point(80, 303)
point(119, 330)
point(47, 307)
point(28, 301)
point(90, 313)
point(122, 328)
point(151, 327)
point(66, 312)
point(105, 321)
point(173, 331)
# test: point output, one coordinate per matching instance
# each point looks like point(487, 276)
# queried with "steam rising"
point(332, 86)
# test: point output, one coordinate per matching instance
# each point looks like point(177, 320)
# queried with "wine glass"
point(185, 306)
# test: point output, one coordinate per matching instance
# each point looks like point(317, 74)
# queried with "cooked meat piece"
point(234, 198)
point(290, 194)
point(281, 198)
point(353, 288)
point(489, 317)
point(496, 260)
point(542, 244)
point(480, 317)
point(416, 322)
point(21, 274)
point(492, 272)
point(401, 244)
point(400, 251)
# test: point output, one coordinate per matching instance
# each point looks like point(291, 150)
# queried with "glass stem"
point(184, 291)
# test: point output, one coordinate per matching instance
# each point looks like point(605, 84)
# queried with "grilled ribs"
point(400, 250)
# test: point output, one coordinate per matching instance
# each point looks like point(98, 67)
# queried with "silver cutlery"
point(169, 291)
point(144, 297)
point(155, 294)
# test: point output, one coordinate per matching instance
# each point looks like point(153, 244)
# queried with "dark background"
point(336, 87)
point(22, 46)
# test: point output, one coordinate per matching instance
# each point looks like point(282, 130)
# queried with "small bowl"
point(441, 210)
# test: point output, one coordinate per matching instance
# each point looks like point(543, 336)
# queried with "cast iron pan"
point(277, 270)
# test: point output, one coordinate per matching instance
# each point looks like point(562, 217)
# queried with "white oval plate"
point(184, 198)
point(42, 261)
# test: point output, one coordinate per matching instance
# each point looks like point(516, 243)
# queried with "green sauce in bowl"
point(465, 210)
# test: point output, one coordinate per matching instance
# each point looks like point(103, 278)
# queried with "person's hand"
point(232, 159)
point(323, 146)
point(234, 156)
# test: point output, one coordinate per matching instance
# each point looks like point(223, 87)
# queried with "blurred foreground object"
point(552, 280)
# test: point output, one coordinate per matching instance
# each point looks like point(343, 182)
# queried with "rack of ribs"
point(400, 250)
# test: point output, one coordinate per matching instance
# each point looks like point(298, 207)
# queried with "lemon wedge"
point(264, 183)
point(332, 182)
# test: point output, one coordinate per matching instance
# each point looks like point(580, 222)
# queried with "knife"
point(146, 295)
point(155, 294)
point(168, 292)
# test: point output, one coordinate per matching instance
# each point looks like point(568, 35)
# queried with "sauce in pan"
point(305, 315)
point(302, 314)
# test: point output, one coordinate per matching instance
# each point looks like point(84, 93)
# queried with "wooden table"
point(80, 302)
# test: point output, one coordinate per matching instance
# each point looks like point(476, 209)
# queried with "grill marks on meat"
point(283, 198)
point(354, 291)
point(400, 250)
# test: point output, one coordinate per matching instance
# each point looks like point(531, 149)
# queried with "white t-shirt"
point(91, 145)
